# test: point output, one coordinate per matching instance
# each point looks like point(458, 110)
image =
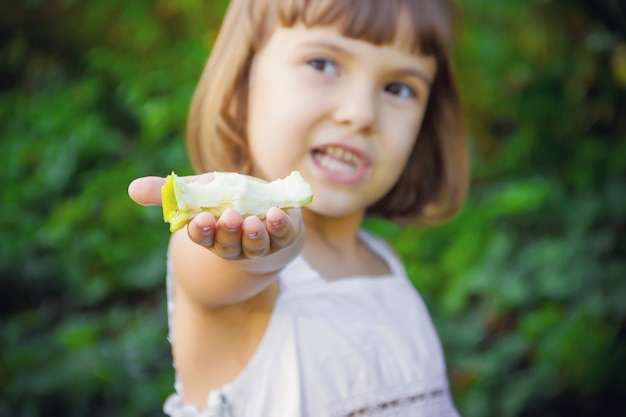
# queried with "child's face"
point(343, 112)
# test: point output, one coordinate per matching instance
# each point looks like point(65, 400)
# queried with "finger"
point(227, 242)
point(146, 190)
point(283, 226)
point(255, 240)
point(201, 229)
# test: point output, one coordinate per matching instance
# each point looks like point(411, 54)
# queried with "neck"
point(333, 248)
point(337, 233)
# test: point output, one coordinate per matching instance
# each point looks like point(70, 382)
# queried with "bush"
point(526, 285)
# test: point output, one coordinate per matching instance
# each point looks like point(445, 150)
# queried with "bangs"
point(425, 25)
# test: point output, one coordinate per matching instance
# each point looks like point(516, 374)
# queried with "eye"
point(401, 90)
point(324, 65)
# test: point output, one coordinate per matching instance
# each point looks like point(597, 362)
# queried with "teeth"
point(338, 159)
point(333, 164)
point(343, 155)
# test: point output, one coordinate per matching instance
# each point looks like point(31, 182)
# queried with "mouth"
point(341, 163)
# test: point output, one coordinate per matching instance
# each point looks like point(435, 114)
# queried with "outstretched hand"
point(230, 236)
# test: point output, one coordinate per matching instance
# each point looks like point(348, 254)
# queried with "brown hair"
point(434, 183)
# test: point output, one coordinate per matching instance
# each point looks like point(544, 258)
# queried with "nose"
point(356, 108)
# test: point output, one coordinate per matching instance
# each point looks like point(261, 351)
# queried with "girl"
point(360, 98)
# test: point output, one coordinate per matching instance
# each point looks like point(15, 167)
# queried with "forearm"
point(213, 342)
point(214, 282)
point(226, 260)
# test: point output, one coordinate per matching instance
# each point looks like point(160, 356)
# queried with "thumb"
point(146, 190)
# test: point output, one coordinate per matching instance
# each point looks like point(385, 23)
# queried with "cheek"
point(276, 109)
point(402, 136)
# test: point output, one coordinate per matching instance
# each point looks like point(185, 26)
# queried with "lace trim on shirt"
point(217, 406)
point(400, 405)
point(433, 403)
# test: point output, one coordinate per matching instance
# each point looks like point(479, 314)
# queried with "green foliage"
point(526, 285)
point(92, 95)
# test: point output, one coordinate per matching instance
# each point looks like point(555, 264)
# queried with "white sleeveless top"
point(359, 346)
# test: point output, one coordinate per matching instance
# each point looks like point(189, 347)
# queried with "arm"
point(228, 260)
point(225, 287)
point(234, 259)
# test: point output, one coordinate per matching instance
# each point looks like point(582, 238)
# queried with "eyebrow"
point(411, 71)
point(417, 73)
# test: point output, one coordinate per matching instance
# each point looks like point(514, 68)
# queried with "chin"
point(334, 209)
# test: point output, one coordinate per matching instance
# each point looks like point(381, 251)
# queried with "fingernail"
point(204, 229)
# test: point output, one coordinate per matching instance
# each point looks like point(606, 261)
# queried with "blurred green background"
point(527, 286)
